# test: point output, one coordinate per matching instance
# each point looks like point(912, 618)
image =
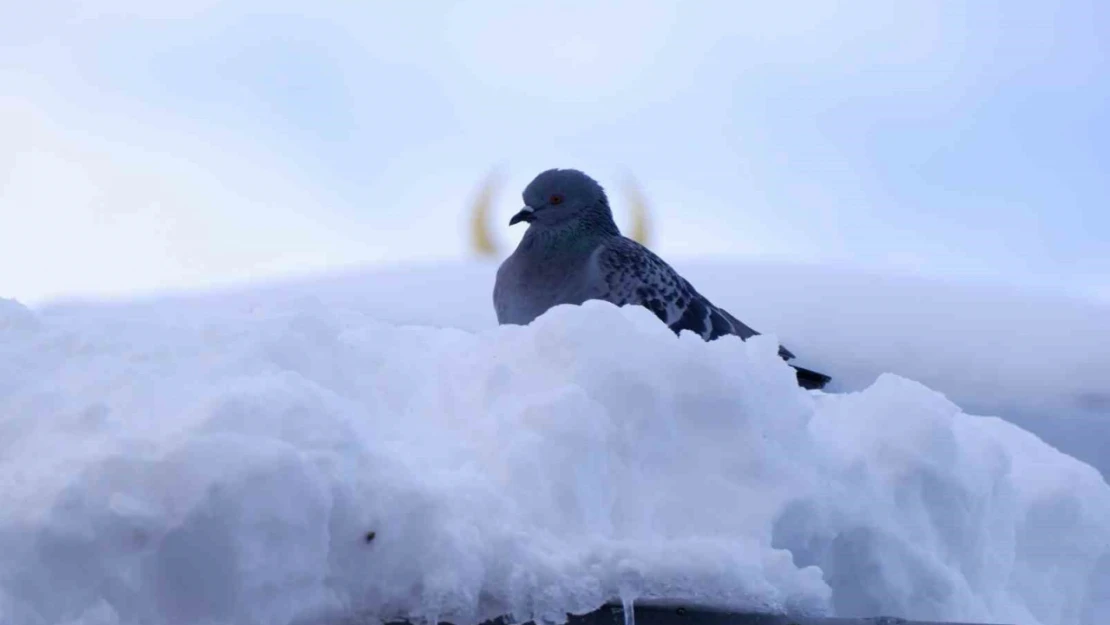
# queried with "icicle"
point(628, 603)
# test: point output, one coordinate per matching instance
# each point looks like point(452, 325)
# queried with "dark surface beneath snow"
point(675, 615)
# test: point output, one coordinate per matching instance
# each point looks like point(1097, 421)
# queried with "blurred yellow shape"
point(480, 240)
point(641, 229)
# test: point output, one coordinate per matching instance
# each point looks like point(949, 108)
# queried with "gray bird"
point(573, 252)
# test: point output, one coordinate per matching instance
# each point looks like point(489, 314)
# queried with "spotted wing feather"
point(633, 274)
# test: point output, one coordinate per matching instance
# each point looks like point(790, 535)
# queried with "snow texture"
point(224, 459)
point(1041, 361)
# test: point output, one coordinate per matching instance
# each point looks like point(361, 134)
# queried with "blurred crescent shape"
point(480, 240)
point(641, 226)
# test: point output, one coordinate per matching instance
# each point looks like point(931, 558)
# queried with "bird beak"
point(524, 215)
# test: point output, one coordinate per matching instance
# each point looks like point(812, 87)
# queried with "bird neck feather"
point(585, 230)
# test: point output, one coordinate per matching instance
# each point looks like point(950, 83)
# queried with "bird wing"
point(633, 274)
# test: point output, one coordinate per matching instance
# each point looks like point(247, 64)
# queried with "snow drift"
point(176, 463)
point(1036, 359)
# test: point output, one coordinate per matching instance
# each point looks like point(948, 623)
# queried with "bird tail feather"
point(811, 380)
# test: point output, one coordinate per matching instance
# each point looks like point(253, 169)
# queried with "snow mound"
point(1039, 360)
point(304, 462)
point(15, 317)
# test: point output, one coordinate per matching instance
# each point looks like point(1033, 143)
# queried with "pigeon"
point(573, 252)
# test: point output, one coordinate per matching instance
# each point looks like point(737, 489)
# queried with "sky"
point(154, 146)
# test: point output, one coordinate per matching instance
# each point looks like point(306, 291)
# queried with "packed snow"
point(374, 446)
point(1039, 360)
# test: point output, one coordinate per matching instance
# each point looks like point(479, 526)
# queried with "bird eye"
point(556, 199)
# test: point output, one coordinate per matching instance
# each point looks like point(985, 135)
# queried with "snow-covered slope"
point(225, 457)
point(1040, 361)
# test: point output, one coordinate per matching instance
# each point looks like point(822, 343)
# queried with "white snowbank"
point(176, 462)
point(1039, 360)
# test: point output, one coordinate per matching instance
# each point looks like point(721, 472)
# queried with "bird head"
point(558, 196)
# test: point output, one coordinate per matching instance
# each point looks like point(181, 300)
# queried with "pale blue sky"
point(195, 144)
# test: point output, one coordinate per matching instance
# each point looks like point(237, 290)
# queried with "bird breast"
point(526, 287)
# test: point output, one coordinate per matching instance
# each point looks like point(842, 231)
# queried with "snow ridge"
point(176, 464)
